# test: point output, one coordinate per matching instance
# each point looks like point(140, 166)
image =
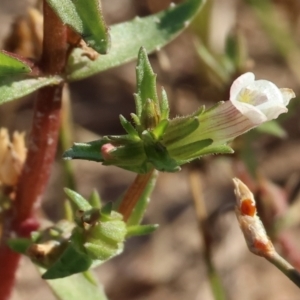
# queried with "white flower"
point(259, 100)
point(252, 102)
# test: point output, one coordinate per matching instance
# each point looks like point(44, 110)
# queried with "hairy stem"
point(41, 151)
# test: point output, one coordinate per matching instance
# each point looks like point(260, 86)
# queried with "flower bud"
point(254, 232)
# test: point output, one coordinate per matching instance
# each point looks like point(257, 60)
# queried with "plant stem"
point(46, 121)
point(286, 268)
point(41, 151)
point(133, 194)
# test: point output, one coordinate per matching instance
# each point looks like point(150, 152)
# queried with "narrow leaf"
point(152, 32)
point(95, 199)
point(129, 128)
point(80, 202)
point(141, 230)
point(88, 151)
point(14, 88)
point(146, 81)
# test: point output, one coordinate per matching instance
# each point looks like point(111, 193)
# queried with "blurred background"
point(228, 38)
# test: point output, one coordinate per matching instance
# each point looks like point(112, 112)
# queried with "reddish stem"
point(133, 194)
point(41, 151)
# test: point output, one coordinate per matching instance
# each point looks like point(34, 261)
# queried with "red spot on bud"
point(248, 208)
point(261, 246)
point(105, 149)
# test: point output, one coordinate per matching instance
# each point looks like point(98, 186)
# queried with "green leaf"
point(85, 17)
point(88, 151)
point(76, 287)
point(10, 65)
point(129, 128)
point(141, 230)
point(212, 64)
point(80, 202)
point(14, 88)
point(235, 50)
point(152, 32)
point(146, 83)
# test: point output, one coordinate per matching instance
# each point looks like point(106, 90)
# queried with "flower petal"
point(255, 116)
point(287, 95)
point(241, 82)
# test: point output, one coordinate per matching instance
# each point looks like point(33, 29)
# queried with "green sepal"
point(107, 209)
point(141, 230)
point(129, 129)
point(10, 65)
point(85, 17)
point(158, 155)
point(135, 119)
point(160, 129)
point(164, 105)
point(95, 199)
point(178, 129)
point(78, 200)
point(191, 150)
point(215, 149)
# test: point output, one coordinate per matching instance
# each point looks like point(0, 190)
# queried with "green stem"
point(286, 268)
